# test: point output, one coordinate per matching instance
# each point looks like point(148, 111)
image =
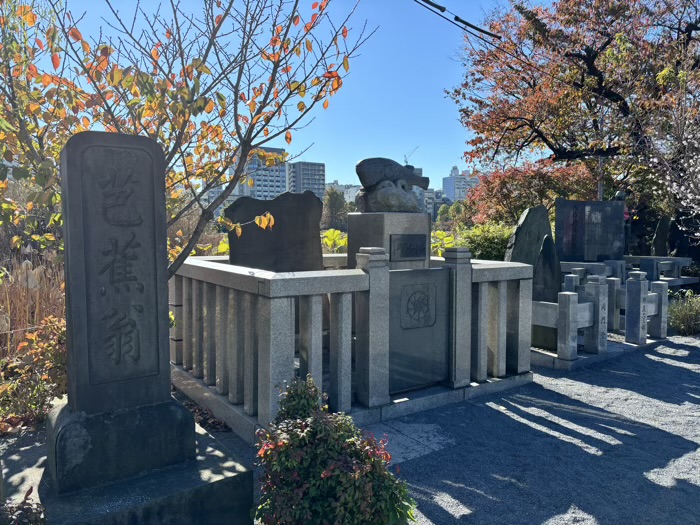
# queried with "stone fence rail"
point(237, 329)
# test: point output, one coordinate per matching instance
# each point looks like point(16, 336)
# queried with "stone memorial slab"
point(419, 323)
point(590, 231)
point(292, 245)
point(120, 424)
point(525, 243)
point(546, 278)
point(546, 285)
point(113, 189)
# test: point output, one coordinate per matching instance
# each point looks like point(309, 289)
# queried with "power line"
point(466, 29)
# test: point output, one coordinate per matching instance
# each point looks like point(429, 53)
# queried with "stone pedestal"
point(405, 237)
point(87, 450)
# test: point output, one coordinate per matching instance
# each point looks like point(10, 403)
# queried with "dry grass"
point(30, 290)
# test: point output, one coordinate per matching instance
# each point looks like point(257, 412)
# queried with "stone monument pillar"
point(120, 422)
point(390, 215)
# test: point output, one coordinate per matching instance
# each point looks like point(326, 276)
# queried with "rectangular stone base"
point(210, 490)
point(87, 450)
point(400, 234)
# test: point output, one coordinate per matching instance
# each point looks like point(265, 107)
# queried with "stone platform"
point(214, 488)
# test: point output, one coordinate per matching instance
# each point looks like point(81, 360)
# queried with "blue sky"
point(393, 100)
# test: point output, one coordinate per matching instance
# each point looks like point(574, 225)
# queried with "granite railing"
point(235, 327)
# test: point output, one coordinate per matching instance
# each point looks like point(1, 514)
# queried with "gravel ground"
point(617, 443)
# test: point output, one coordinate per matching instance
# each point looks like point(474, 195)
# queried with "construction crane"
point(408, 155)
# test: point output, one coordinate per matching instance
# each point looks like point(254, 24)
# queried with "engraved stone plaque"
point(408, 247)
point(116, 271)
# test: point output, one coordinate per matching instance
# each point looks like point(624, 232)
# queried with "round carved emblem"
point(418, 306)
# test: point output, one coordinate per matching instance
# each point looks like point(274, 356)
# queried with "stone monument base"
point(209, 490)
point(544, 337)
point(405, 237)
point(88, 450)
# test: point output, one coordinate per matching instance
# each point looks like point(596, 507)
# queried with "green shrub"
point(486, 241)
point(684, 313)
point(334, 241)
point(319, 468)
point(33, 375)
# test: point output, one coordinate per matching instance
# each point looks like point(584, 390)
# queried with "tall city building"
point(270, 181)
point(303, 176)
point(456, 186)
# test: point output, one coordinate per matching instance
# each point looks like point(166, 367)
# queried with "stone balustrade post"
point(458, 260)
point(372, 329)
point(595, 290)
point(614, 285)
point(658, 323)
point(650, 267)
point(636, 308)
point(567, 326)
point(275, 327)
point(571, 282)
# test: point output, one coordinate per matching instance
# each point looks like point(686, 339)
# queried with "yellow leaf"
point(288, 137)
point(30, 206)
point(253, 106)
point(302, 90)
point(178, 233)
point(309, 46)
point(346, 64)
point(49, 237)
point(325, 104)
point(270, 220)
point(86, 46)
point(239, 230)
point(301, 106)
point(251, 182)
point(209, 107)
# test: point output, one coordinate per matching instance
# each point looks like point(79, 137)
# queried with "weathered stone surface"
point(375, 170)
point(546, 283)
point(388, 196)
point(404, 236)
point(211, 489)
point(661, 237)
point(419, 308)
point(113, 189)
point(292, 245)
point(590, 230)
point(386, 186)
point(88, 450)
point(120, 424)
point(525, 243)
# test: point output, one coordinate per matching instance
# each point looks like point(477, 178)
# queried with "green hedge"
point(485, 241)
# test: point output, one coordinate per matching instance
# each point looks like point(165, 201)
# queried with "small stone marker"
point(546, 285)
point(292, 245)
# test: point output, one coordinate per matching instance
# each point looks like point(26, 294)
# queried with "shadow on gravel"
point(668, 372)
point(537, 456)
point(27, 452)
